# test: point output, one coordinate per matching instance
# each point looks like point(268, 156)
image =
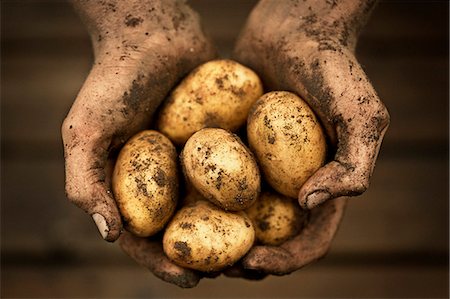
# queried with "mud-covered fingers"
point(86, 185)
point(149, 254)
point(269, 259)
point(102, 117)
point(311, 244)
point(359, 140)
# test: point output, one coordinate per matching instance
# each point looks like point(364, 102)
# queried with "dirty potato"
point(218, 94)
point(287, 139)
point(276, 218)
point(145, 182)
point(203, 237)
point(221, 168)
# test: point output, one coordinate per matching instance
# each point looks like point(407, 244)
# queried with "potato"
point(221, 168)
point(287, 139)
point(145, 182)
point(218, 93)
point(276, 218)
point(203, 237)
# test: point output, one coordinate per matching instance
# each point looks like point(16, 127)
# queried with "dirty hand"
point(141, 48)
point(311, 244)
point(308, 47)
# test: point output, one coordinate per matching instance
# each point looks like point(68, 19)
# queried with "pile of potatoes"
point(195, 179)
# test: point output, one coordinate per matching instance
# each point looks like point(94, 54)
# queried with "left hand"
point(311, 244)
point(307, 47)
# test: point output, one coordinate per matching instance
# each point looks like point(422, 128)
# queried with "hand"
point(142, 49)
point(308, 47)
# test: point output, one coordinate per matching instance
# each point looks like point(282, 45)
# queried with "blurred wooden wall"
point(393, 241)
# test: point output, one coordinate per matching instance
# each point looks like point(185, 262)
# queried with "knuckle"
point(71, 129)
point(66, 127)
point(361, 187)
point(357, 179)
point(76, 133)
point(384, 115)
point(381, 117)
point(83, 195)
point(361, 184)
point(73, 194)
point(80, 124)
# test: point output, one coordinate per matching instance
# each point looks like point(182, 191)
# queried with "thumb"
point(110, 107)
point(350, 171)
point(86, 179)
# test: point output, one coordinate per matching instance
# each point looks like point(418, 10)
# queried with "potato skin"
point(145, 182)
point(276, 218)
point(218, 94)
point(221, 168)
point(287, 139)
point(203, 237)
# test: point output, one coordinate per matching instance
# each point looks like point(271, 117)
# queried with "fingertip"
point(187, 280)
point(109, 230)
point(314, 198)
point(107, 218)
point(333, 180)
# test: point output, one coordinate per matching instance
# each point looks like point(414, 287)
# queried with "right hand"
point(142, 49)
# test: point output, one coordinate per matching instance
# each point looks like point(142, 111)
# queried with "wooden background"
point(393, 241)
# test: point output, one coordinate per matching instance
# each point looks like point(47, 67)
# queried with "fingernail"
point(102, 226)
point(316, 198)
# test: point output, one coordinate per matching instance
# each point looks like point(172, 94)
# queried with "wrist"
point(339, 21)
point(136, 20)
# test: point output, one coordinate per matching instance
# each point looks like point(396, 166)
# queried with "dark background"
point(393, 241)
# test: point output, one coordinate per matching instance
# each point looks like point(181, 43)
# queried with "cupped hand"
point(307, 47)
point(142, 49)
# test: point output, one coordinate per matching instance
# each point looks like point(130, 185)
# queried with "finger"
point(315, 239)
point(338, 90)
point(110, 107)
point(238, 271)
point(150, 254)
point(311, 244)
point(269, 259)
point(350, 172)
point(87, 183)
